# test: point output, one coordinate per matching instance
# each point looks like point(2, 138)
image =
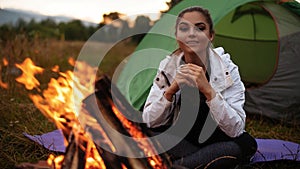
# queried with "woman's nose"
point(192, 32)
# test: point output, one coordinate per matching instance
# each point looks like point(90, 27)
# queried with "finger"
point(186, 82)
point(185, 75)
point(184, 70)
point(190, 79)
point(198, 71)
point(195, 67)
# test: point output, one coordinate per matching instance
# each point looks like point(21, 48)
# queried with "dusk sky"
point(91, 10)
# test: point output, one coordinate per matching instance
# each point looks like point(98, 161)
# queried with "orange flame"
point(55, 162)
point(3, 84)
point(61, 102)
point(55, 68)
point(5, 62)
point(154, 160)
point(29, 70)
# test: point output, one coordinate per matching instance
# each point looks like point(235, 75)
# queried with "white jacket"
point(226, 108)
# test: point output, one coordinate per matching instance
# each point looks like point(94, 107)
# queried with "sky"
point(90, 10)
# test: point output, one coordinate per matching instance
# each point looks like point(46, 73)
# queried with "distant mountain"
point(9, 15)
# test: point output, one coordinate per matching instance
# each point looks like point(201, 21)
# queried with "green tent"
point(262, 38)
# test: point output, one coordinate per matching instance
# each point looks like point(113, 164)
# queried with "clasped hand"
point(192, 75)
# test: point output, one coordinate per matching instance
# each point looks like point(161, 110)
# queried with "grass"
point(263, 127)
point(19, 115)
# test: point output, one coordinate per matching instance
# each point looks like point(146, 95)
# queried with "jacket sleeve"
point(158, 110)
point(227, 107)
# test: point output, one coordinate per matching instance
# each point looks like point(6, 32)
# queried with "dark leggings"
point(219, 154)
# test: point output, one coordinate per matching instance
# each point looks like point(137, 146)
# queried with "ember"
point(69, 101)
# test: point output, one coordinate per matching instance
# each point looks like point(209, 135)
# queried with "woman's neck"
point(197, 59)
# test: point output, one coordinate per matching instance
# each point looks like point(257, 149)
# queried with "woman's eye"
point(183, 29)
point(200, 28)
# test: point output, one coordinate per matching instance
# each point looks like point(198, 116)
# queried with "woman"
point(195, 65)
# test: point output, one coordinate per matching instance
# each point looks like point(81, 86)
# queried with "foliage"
point(142, 25)
point(171, 4)
point(115, 29)
point(73, 30)
point(108, 18)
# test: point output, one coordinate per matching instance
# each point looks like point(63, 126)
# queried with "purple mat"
point(53, 141)
point(272, 149)
point(268, 149)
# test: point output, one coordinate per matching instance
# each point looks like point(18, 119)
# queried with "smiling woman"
point(91, 10)
point(199, 84)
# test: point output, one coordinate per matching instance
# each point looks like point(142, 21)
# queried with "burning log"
point(115, 113)
point(74, 157)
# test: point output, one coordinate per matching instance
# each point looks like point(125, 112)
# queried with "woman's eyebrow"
point(196, 24)
point(183, 23)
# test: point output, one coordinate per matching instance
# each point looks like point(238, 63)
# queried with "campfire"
point(86, 110)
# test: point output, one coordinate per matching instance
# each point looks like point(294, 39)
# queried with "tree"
point(75, 30)
point(171, 4)
point(21, 25)
point(114, 28)
point(7, 32)
point(142, 24)
point(108, 18)
point(50, 23)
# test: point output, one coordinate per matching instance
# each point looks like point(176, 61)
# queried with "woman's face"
point(193, 33)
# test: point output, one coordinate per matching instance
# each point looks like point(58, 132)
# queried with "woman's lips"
point(191, 43)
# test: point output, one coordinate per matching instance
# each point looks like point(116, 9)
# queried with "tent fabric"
point(279, 98)
point(294, 6)
point(268, 149)
point(268, 63)
point(244, 22)
point(252, 28)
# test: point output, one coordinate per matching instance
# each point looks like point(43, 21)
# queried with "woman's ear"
point(212, 36)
